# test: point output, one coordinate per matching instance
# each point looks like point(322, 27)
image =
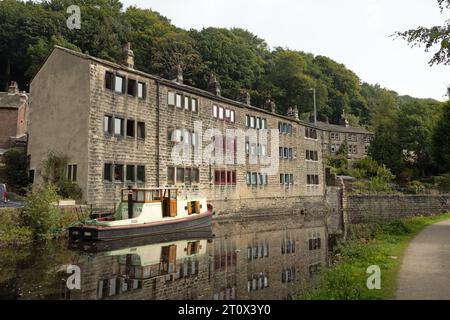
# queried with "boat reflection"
point(247, 260)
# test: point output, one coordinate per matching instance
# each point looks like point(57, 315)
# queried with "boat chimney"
point(130, 202)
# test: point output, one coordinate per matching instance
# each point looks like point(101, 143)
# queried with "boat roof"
point(152, 189)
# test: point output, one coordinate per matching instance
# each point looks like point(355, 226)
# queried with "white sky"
point(353, 32)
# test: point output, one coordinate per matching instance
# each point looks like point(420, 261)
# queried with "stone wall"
point(8, 126)
point(372, 208)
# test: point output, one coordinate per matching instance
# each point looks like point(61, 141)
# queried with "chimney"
point(128, 56)
point(214, 85)
point(270, 105)
point(244, 97)
point(293, 112)
point(343, 121)
point(177, 74)
point(13, 88)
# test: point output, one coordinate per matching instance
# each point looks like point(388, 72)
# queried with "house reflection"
point(238, 263)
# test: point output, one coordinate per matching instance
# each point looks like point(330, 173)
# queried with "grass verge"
point(375, 244)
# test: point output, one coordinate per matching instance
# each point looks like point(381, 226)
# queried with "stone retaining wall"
point(371, 208)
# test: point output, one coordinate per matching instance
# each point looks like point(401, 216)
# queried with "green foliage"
point(14, 170)
point(338, 161)
point(381, 182)
point(436, 36)
point(380, 244)
point(443, 182)
point(441, 140)
point(415, 187)
point(368, 166)
point(40, 212)
point(55, 172)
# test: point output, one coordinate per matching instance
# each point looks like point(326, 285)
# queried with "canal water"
point(252, 258)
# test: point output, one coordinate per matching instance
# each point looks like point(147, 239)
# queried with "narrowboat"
point(143, 212)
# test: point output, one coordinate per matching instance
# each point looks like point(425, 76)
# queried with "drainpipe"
point(158, 105)
point(130, 202)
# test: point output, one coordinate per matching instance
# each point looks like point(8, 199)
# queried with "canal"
point(254, 258)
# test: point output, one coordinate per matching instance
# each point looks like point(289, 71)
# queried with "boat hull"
point(95, 247)
point(103, 233)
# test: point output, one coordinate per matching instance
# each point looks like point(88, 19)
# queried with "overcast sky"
point(353, 32)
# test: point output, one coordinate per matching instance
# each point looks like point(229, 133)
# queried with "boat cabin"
point(168, 200)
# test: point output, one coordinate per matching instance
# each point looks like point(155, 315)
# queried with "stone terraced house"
point(118, 126)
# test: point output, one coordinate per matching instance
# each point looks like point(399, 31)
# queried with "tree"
point(432, 36)
point(441, 140)
point(14, 170)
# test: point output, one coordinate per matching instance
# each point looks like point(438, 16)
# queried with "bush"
point(55, 172)
point(368, 166)
point(11, 230)
point(338, 162)
point(443, 182)
point(40, 212)
point(14, 171)
point(415, 187)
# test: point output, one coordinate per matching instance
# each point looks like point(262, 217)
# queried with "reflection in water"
point(265, 259)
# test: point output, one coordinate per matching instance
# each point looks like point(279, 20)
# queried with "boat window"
point(173, 194)
point(140, 196)
point(124, 196)
point(148, 196)
point(156, 195)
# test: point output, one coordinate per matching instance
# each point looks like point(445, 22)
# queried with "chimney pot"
point(128, 55)
point(293, 112)
point(270, 105)
point(244, 97)
point(214, 85)
point(177, 74)
point(13, 88)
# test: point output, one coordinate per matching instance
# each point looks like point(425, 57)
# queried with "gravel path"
point(425, 269)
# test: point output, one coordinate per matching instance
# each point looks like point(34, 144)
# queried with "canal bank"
point(375, 244)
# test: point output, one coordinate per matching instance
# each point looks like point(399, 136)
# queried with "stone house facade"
point(13, 117)
point(119, 126)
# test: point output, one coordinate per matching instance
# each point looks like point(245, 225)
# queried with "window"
point(366, 149)
point(232, 116)
point(225, 177)
point(312, 155)
point(72, 172)
point(141, 130)
point(179, 101)
point(187, 176)
point(119, 84)
point(186, 103)
point(258, 123)
point(130, 128)
point(195, 175)
point(252, 122)
point(130, 173)
point(194, 105)
point(310, 133)
point(141, 173)
point(131, 87)
point(31, 174)
point(141, 90)
point(107, 172)
point(118, 127)
point(312, 179)
point(180, 175)
point(215, 111)
point(109, 79)
point(175, 135)
point(107, 125)
point(221, 111)
point(254, 178)
point(118, 172)
point(171, 98)
point(247, 121)
point(264, 124)
point(171, 175)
